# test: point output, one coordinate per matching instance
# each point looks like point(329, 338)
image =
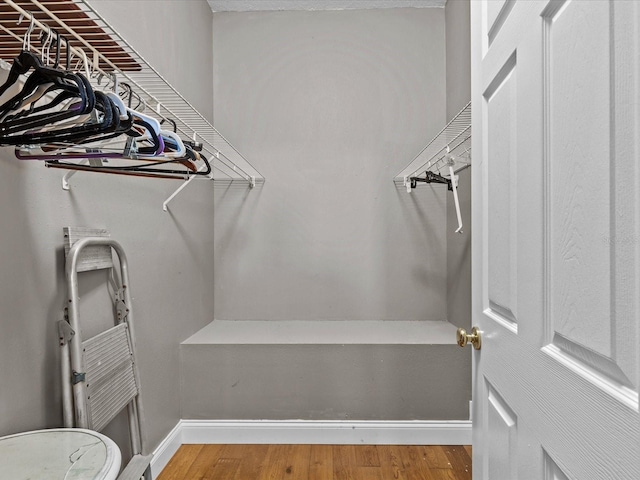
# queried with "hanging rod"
point(110, 53)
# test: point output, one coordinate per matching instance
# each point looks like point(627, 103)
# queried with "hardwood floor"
point(319, 462)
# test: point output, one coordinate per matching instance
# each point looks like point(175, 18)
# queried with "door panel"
point(500, 110)
point(496, 14)
point(578, 201)
point(501, 448)
point(593, 267)
point(591, 253)
point(552, 471)
point(556, 246)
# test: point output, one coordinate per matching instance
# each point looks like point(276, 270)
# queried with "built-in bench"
point(324, 333)
point(325, 371)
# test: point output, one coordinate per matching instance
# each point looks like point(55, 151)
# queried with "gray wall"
point(458, 49)
point(180, 50)
point(325, 382)
point(330, 106)
point(170, 255)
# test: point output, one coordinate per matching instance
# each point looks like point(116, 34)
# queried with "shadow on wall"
point(233, 202)
point(27, 343)
point(423, 211)
point(459, 255)
point(269, 251)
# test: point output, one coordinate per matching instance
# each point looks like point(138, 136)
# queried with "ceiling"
point(262, 5)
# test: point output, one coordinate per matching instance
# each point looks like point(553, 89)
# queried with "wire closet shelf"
point(449, 151)
point(109, 55)
point(447, 154)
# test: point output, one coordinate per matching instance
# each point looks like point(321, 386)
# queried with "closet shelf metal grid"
point(449, 148)
point(108, 52)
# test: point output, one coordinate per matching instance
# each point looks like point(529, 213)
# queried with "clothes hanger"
point(15, 71)
point(28, 106)
point(37, 128)
point(174, 147)
point(107, 122)
point(86, 119)
point(146, 170)
point(44, 75)
point(140, 139)
point(41, 74)
point(129, 94)
point(43, 88)
point(135, 173)
point(64, 79)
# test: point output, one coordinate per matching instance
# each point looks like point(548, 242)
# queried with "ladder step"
point(93, 257)
point(111, 382)
point(136, 467)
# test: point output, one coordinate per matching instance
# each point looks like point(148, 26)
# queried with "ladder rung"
point(136, 467)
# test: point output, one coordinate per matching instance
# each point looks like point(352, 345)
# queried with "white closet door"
point(556, 246)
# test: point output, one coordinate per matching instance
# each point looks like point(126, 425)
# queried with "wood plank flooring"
point(319, 462)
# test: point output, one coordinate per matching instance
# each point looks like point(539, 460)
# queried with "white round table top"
point(57, 454)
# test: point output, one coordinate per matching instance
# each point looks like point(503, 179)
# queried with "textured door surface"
point(556, 247)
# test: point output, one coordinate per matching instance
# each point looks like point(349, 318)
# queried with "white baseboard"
point(327, 432)
point(167, 449)
point(310, 432)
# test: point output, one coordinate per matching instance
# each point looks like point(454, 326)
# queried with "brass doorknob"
point(474, 338)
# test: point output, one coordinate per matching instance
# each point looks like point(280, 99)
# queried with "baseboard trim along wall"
point(310, 432)
point(167, 449)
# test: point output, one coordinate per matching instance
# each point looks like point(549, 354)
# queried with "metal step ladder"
point(100, 375)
